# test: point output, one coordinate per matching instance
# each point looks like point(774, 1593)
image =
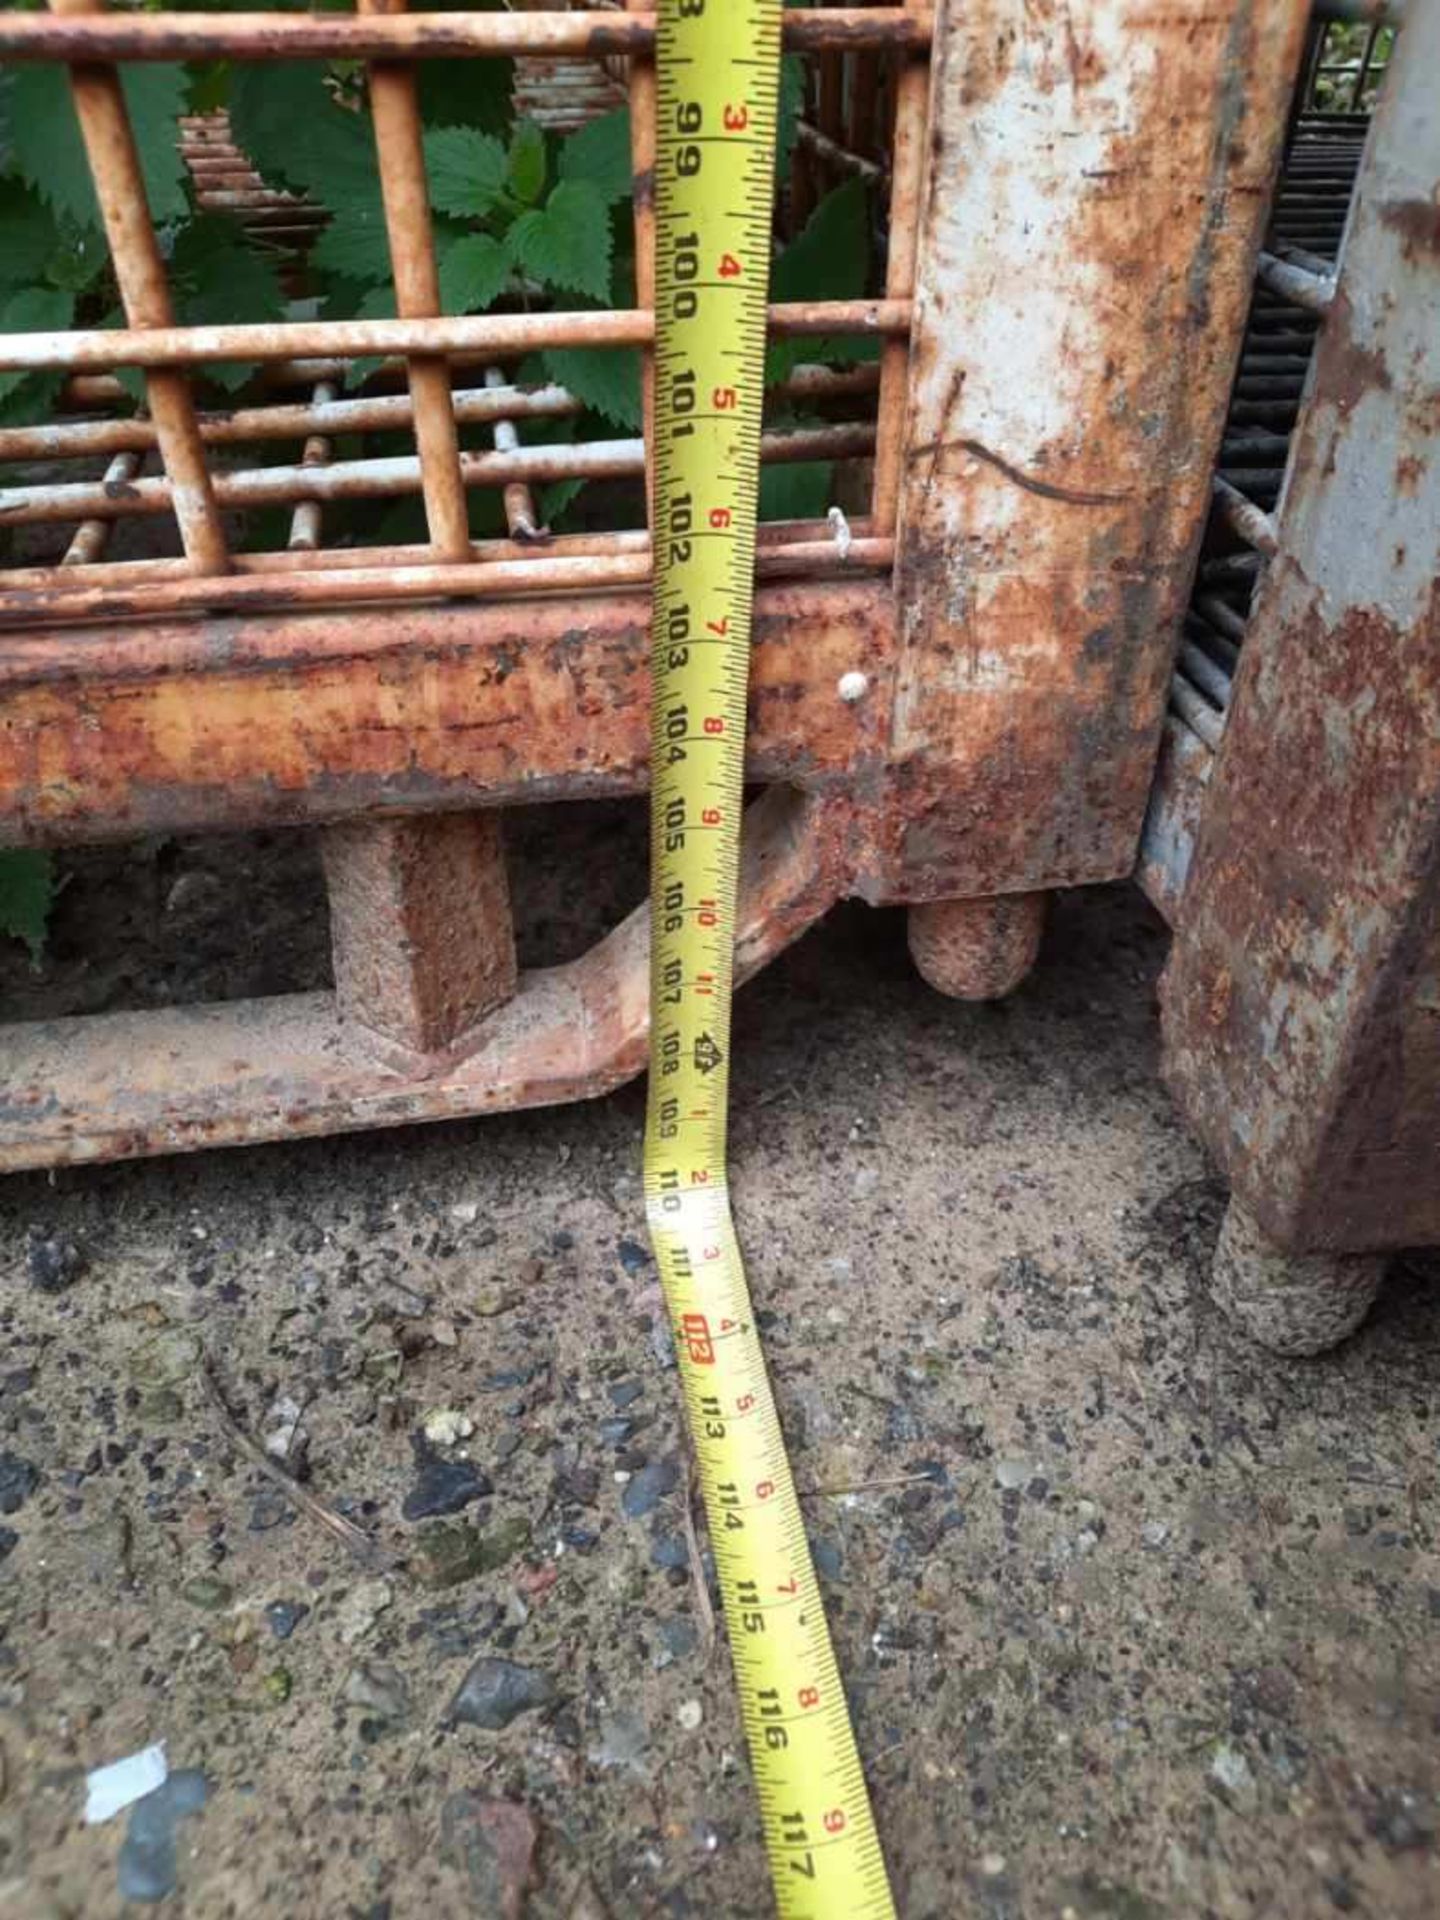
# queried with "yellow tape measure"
point(718, 83)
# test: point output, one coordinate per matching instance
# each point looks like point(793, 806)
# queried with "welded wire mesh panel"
point(315, 307)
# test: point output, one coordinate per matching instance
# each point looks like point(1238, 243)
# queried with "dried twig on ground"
point(369, 1552)
point(697, 1565)
point(869, 1486)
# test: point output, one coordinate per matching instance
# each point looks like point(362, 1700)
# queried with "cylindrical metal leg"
point(1292, 1303)
point(977, 949)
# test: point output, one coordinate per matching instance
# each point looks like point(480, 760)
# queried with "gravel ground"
point(1135, 1622)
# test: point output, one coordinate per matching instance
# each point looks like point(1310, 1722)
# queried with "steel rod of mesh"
point(1206, 674)
point(400, 474)
point(521, 520)
point(840, 159)
point(1313, 291)
point(144, 290)
point(100, 348)
point(1196, 711)
point(395, 116)
point(305, 522)
point(366, 413)
point(1242, 516)
point(772, 536)
point(91, 537)
point(907, 167)
point(1220, 627)
point(65, 596)
point(417, 36)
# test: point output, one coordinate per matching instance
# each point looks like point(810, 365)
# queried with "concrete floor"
point(1147, 1627)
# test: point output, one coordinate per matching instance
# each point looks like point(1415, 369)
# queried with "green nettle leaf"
point(217, 277)
point(566, 244)
point(599, 155)
point(31, 235)
point(48, 153)
point(466, 93)
point(80, 258)
point(378, 304)
point(554, 498)
point(268, 103)
point(473, 270)
point(527, 163)
point(798, 491)
point(830, 256)
point(31, 402)
point(27, 893)
point(467, 171)
point(605, 379)
point(289, 121)
point(792, 104)
point(33, 310)
point(354, 245)
point(829, 259)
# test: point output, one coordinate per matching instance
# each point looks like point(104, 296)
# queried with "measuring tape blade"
point(718, 81)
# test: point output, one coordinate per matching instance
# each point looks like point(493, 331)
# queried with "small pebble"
point(52, 1263)
point(498, 1545)
point(207, 1593)
point(649, 1487)
point(361, 1608)
point(689, 1713)
point(828, 1559)
point(448, 1555)
point(268, 1510)
point(444, 1486)
point(446, 1426)
point(678, 1637)
point(1011, 1474)
point(283, 1616)
point(377, 1687)
point(494, 1692)
point(18, 1480)
point(146, 1869)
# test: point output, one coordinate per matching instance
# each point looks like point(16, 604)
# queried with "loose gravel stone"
point(494, 1692)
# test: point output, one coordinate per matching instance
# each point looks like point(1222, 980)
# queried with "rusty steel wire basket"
point(960, 673)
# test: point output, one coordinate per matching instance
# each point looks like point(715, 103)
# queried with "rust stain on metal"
point(1417, 222)
point(116, 731)
point(1077, 319)
point(1299, 1004)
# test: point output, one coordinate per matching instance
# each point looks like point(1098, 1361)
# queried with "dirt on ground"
point(1135, 1620)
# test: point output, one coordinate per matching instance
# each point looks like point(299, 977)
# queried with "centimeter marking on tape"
point(718, 65)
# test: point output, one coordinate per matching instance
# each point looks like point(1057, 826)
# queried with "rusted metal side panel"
point(1098, 177)
point(1302, 1001)
point(109, 733)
